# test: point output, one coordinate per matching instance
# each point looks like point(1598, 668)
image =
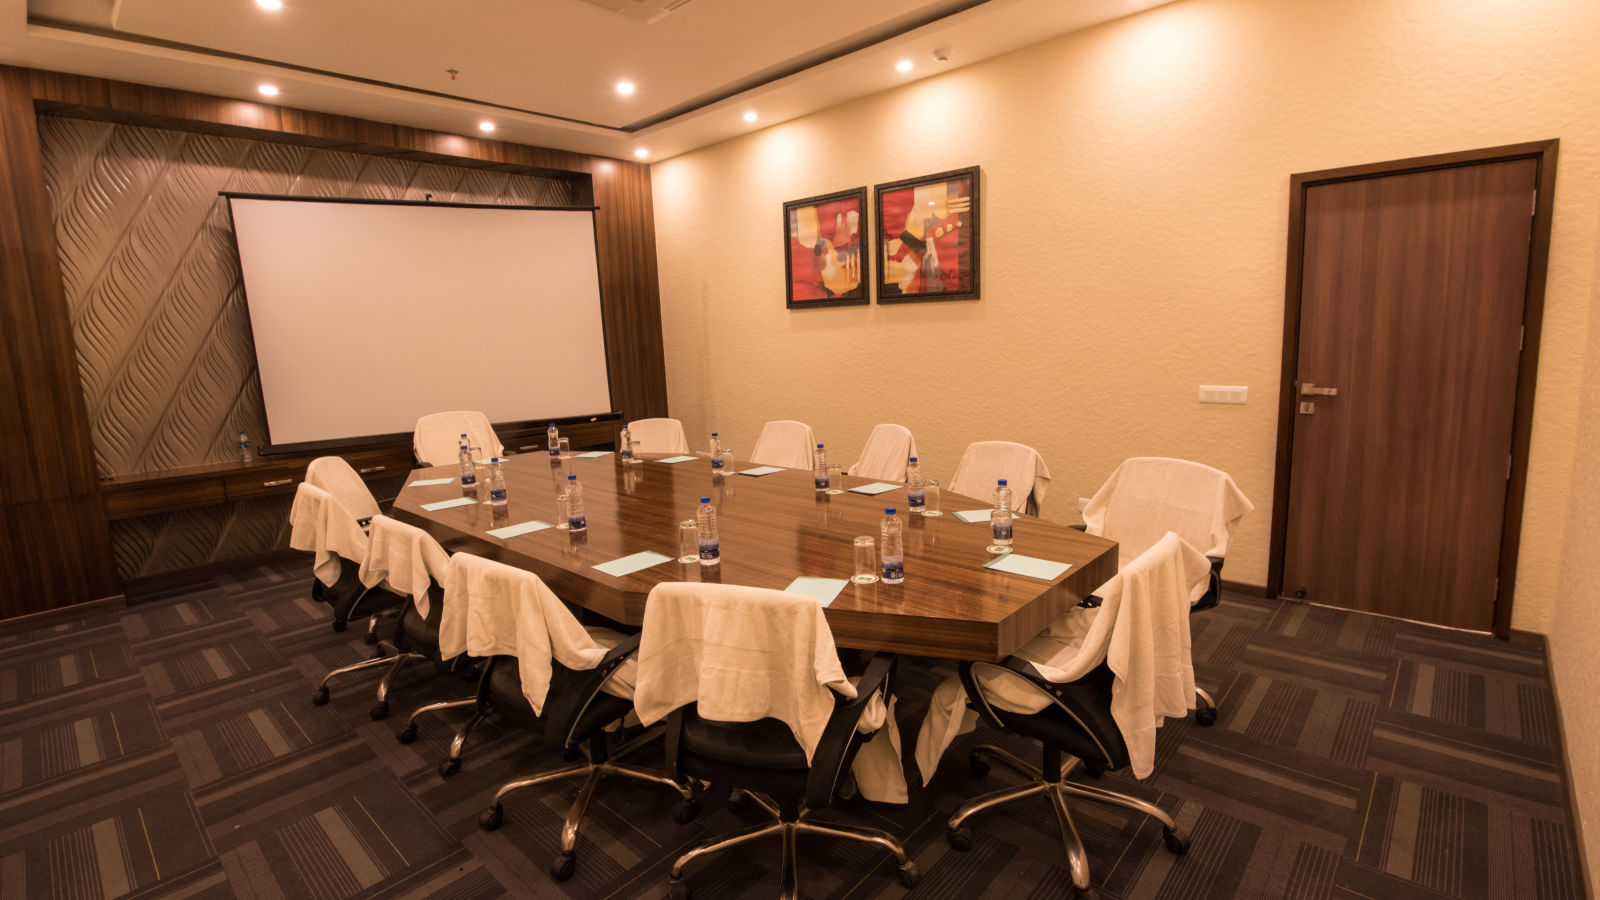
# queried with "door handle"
point(1307, 389)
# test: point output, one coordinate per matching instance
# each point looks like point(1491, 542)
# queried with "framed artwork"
point(928, 231)
point(825, 249)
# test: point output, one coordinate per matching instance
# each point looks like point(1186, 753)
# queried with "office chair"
point(785, 443)
point(334, 475)
point(436, 440)
point(1147, 496)
point(885, 454)
point(318, 522)
point(1085, 699)
point(707, 654)
point(659, 436)
point(986, 462)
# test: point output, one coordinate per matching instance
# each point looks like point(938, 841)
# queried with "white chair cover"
point(320, 523)
point(659, 436)
point(334, 475)
point(406, 559)
point(1148, 496)
point(785, 443)
point(986, 462)
point(437, 438)
point(884, 457)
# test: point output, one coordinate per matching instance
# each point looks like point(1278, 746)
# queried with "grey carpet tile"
point(172, 750)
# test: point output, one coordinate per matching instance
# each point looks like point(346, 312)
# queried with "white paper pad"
point(447, 504)
point(677, 459)
point(823, 589)
point(427, 481)
point(877, 487)
point(594, 454)
point(511, 531)
point(974, 515)
point(635, 563)
point(1017, 564)
point(761, 470)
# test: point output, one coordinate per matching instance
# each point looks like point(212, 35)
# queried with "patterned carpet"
point(171, 750)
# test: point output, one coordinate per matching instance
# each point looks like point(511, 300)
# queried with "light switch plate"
point(1223, 393)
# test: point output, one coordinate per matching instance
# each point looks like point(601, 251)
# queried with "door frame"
point(1544, 153)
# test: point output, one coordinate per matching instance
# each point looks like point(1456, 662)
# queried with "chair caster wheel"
point(909, 876)
point(685, 811)
point(960, 838)
point(380, 712)
point(408, 733)
point(491, 818)
point(340, 625)
point(371, 638)
point(1087, 893)
point(1177, 842)
point(678, 890)
point(1206, 717)
point(449, 767)
point(320, 698)
point(980, 766)
point(564, 866)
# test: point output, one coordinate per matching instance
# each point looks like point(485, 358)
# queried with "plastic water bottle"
point(819, 469)
point(716, 454)
point(497, 483)
point(1001, 519)
point(554, 437)
point(1002, 495)
point(892, 552)
point(575, 519)
point(469, 477)
point(710, 547)
point(627, 446)
point(916, 494)
point(244, 447)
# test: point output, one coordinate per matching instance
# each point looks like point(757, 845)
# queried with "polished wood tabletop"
point(773, 529)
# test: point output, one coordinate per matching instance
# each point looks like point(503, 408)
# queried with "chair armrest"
point(839, 739)
point(573, 690)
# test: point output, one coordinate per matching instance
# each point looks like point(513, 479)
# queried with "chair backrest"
point(320, 523)
point(492, 609)
point(334, 475)
point(659, 436)
point(437, 437)
point(986, 462)
point(406, 559)
point(884, 457)
point(1148, 496)
point(785, 443)
point(743, 654)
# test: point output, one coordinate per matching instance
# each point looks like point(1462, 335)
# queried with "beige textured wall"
point(1135, 202)
point(1576, 620)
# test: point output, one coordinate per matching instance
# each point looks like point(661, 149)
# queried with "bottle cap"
point(913, 459)
point(494, 459)
point(713, 434)
point(819, 446)
point(705, 499)
point(1002, 481)
point(572, 478)
point(888, 511)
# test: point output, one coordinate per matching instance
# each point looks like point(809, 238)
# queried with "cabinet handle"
point(279, 483)
point(373, 469)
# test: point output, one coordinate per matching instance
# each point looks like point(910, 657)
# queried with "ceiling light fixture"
point(486, 126)
point(641, 153)
point(903, 65)
point(268, 90)
point(625, 88)
point(272, 5)
point(750, 116)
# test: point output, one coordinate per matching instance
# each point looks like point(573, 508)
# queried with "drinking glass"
point(866, 561)
point(931, 502)
point(688, 541)
point(566, 447)
point(835, 480)
point(634, 457)
point(561, 510)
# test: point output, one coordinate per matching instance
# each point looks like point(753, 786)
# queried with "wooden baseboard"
point(1251, 590)
point(1566, 774)
point(62, 614)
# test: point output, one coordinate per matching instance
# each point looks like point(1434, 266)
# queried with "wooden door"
point(1411, 308)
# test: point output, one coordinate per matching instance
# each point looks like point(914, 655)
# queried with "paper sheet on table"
point(974, 515)
point(627, 565)
point(823, 589)
point(447, 504)
point(877, 487)
point(677, 459)
point(761, 470)
point(1017, 564)
point(427, 481)
point(511, 531)
point(594, 454)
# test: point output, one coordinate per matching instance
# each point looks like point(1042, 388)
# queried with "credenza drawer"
point(243, 485)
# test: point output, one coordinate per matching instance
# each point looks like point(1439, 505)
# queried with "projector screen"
point(367, 315)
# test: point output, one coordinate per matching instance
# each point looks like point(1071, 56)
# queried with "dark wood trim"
point(1532, 318)
point(47, 618)
point(1249, 590)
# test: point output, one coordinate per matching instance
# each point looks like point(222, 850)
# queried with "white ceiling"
point(544, 71)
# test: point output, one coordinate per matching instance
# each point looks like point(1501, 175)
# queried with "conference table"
point(773, 528)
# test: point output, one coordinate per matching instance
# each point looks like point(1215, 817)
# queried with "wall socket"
point(1223, 393)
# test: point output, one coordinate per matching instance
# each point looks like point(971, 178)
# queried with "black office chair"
point(346, 595)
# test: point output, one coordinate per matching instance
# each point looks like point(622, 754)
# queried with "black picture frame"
point(953, 270)
point(817, 272)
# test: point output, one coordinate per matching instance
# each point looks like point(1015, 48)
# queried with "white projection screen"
point(367, 315)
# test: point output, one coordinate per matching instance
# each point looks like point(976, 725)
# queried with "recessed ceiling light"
point(273, 5)
point(268, 90)
point(485, 126)
point(903, 65)
point(625, 88)
point(750, 116)
point(641, 153)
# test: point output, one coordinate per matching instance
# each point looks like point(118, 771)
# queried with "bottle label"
point(577, 523)
point(894, 570)
point(822, 483)
point(1002, 531)
point(555, 450)
point(710, 550)
point(497, 497)
point(627, 452)
point(716, 462)
point(468, 477)
point(916, 499)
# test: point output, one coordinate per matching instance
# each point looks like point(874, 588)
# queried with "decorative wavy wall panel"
point(153, 286)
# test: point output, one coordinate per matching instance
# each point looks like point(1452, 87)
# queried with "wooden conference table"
point(773, 529)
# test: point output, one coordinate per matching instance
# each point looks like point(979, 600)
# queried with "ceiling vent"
point(646, 11)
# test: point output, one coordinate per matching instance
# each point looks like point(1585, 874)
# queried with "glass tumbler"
point(561, 510)
point(566, 447)
point(866, 561)
point(931, 502)
point(634, 456)
point(688, 541)
point(835, 476)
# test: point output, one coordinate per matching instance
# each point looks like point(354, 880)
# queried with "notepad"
point(823, 589)
point(877, 487)
point(447, 504)
point(627, 565)
point(487, 460)
point(594, 454)
point(511, 531)
point(428, 481)
point(761, 470)
point(974, 515)
point(676, 459)
point(1017, 564)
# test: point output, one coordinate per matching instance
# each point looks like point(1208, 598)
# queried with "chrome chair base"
point(1205, 710)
